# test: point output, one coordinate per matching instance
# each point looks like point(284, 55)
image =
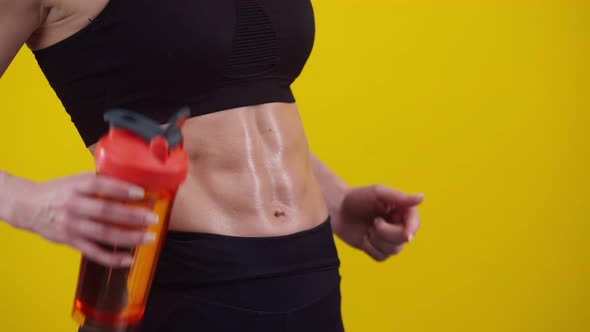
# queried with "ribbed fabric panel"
point(255, 48)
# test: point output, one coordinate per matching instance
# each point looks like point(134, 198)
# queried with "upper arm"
point(18, 20)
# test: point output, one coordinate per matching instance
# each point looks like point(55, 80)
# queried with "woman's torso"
point(250, 172)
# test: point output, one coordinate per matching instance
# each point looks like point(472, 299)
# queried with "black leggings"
point(216, 283)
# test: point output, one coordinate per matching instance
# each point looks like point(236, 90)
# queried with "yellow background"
point(482, 105)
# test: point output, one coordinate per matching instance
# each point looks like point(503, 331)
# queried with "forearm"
point(333, 187)
point(4, 196)
point(10, 188)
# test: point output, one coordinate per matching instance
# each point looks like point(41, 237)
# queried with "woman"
point(250, 244)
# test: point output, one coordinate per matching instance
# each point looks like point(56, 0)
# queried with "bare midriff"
point(249, 174)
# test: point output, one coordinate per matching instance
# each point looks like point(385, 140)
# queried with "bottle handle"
point(172, 133)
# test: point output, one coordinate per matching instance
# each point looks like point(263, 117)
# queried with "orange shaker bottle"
point(137, 150)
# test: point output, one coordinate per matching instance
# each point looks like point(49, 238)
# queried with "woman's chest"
point(232, 38)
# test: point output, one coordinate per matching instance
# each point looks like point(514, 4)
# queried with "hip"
point(224, 283)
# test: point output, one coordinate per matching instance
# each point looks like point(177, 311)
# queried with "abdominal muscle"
point(249, 174)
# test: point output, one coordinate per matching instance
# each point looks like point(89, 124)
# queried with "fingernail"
point(149, 237)
point(127, 261)
point(136, 193)
point(152, 218)
point(410, 238)
point(421, 196)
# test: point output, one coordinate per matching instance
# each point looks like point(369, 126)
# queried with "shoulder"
point(28, 11)
point(7, 6)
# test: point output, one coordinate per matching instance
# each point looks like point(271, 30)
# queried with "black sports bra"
point(154, 56)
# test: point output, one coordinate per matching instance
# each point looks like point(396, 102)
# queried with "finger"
point(101, 256)
point(98, 209)
point(386, 236)
point(385, 247)
point(389, 196)
point(397, 217)
point(109, 187)
point(107, 234)
point(372, 251)
point(411, 223)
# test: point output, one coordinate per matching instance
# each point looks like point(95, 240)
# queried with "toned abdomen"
point(249, 174)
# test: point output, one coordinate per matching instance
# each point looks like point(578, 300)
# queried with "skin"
point(251, 172)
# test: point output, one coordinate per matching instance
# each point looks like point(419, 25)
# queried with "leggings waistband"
point(195, 259)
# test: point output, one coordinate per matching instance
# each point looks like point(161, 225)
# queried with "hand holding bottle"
point(69, 211)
